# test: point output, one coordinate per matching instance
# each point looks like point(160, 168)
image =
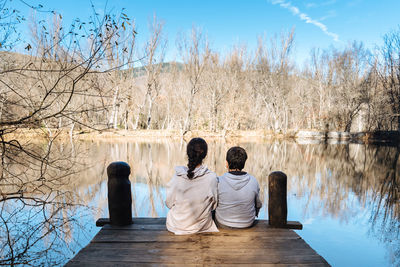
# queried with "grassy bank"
point(111, 134)
point(249, 135)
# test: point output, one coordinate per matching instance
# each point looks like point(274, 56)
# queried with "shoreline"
point(299, 136)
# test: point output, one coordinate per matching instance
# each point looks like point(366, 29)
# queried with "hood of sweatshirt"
point(236, 181)
point(198, 172)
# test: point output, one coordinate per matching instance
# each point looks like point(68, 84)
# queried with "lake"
point(345, 195)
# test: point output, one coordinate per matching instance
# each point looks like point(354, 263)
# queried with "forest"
point(93, 75)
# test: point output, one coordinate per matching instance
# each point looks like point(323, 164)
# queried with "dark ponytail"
point(196, 151)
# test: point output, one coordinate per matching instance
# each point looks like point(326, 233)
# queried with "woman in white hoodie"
point(192, 193)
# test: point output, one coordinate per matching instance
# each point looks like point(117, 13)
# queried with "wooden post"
point(277, 203)
point(119, 193)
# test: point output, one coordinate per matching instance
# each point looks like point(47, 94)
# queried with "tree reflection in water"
point(385, 219)
point(39, 211)
point(333, 180)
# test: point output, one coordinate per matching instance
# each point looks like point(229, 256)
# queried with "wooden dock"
point(147, 243)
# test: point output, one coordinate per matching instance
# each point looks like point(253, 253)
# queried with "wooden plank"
point(223, 232)
point(164, 236)
point(124, 264)
point(138, 220)
point(142, 227)
point(161, 221)
point(144, 264)
point(287, 257)
point(260, 226)
point(290, 225)
point(204, 255)
point(266, 244)
point(119, 251)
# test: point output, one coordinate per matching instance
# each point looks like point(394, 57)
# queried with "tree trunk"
point(126, 119)
point(116, 116)
point(149, 112)
point(139, 113)
point(188, 114)
point(398, 122)
point(114, 112)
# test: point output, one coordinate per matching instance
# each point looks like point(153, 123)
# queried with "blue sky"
point(317, 23)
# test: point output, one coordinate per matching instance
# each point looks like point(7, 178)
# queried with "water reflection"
point(39, 212)
point(326, 181)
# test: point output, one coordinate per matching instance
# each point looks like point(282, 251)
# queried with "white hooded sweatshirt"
point(191, 201)
point(237, 200)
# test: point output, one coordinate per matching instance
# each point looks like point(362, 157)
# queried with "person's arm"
point(214, 185)
point(257, 201)
point(170, 201)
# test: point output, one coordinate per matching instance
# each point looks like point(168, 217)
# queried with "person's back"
point(192, 194)
point(238, 200)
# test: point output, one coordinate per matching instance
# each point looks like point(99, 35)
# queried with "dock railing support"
point(119, 193)
point(277, 202)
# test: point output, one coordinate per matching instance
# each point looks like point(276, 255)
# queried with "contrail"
point(303, 16)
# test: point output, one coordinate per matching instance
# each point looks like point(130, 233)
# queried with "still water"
point(346, 196)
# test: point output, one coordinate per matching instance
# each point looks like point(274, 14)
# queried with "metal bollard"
point(119, 193)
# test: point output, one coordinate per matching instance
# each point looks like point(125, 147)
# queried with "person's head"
point(236, 158)
point(196, 151)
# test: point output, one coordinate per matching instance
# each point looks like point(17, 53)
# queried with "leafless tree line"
point(352, 89)
point(349, 89)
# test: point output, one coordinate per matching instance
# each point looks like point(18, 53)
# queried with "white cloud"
point(320, 3)
point(303, 16)
point(331, 14)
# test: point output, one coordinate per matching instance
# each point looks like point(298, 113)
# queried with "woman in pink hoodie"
point(192, 193)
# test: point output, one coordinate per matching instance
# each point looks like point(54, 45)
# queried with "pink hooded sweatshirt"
point(191, 201)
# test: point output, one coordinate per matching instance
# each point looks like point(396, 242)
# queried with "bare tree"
point(37, 91)
point(232, 96)
point(216, 88)
point(154, 52)
point(9, 19)
point(389, 73)
point(119, 53)
point(271, 80)
point(195, 52)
